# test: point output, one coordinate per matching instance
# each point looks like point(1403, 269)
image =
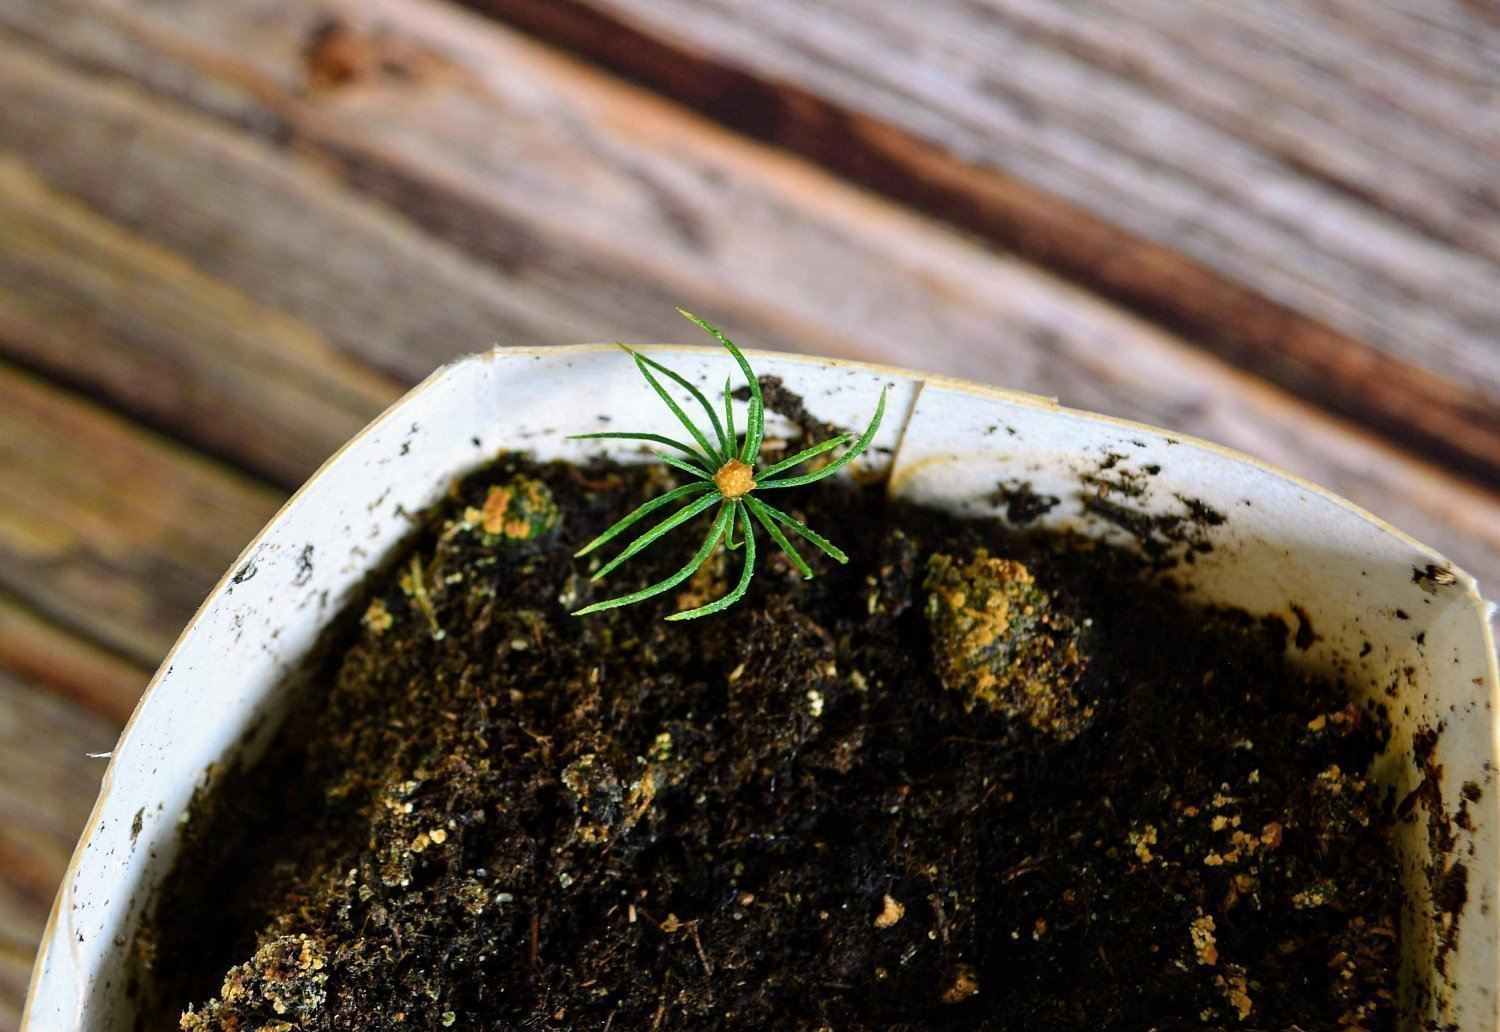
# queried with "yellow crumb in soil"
point(1143, 840)
point(1204, 943)
point(892, 910)
point(307, 959)
point(661, 747)
point(1314, 895)
point(962, 983)
point(1235, 989)
point(377, 618)
point(492, 517)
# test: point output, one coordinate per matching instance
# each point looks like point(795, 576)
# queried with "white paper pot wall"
point(1394, 616)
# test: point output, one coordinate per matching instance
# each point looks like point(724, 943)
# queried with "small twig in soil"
point(1105, 958)
point(942, 918)
point(984, 798)
point(661, 1002)
point(417, 579)
point(698, 943)
point(1020, 869)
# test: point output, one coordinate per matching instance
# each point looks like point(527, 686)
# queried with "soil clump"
point(979, 778)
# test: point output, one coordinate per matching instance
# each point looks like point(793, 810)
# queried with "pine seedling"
point(722, 466)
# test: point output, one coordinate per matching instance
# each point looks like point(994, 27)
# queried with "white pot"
point(1395, 614)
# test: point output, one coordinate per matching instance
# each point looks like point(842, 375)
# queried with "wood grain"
point(111, 531)
point(117, 534)
point(92, 305)
point(1297, 188)
point(273, 228)
point(49, 658)
point(47, 787)
point(454, 144)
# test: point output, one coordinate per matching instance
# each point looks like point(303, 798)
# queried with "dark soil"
point(973, 780)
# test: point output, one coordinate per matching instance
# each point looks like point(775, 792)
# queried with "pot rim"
point(1486, 610)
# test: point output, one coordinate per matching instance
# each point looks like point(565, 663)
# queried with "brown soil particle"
point(972, 780)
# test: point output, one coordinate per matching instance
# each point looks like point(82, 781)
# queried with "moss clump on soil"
point(509, 818)
point(998, 637)
point(518, 510)
point(284, 984)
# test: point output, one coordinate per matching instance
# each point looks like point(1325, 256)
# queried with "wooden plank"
point(42, 654)
point(18, 958)
point(597, 203)
point(120, 534)
point(95, 306)
point(1300, 188)
point(47, 787)
point(282, 227)
point(107, 529)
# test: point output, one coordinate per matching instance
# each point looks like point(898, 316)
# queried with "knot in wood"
point(735, 479)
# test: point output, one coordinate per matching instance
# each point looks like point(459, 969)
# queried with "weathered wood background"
point(232, 231)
